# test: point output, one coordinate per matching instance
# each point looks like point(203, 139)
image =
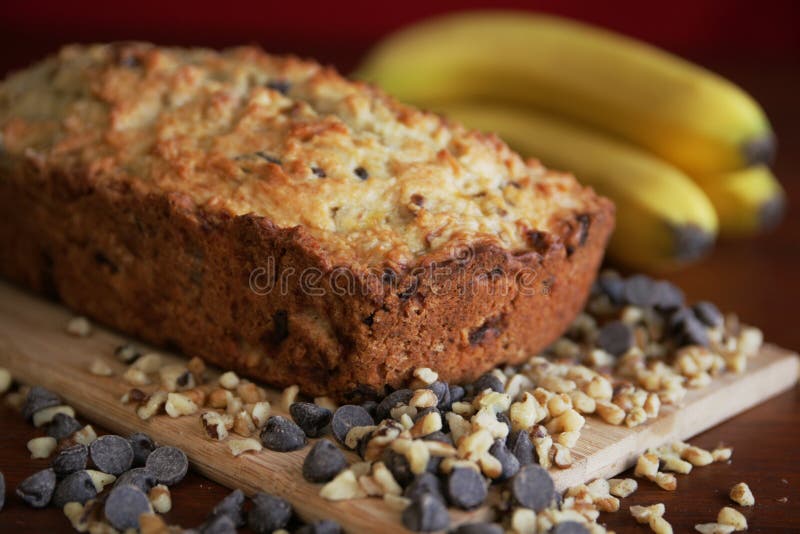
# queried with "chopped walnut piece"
point(99, 367)
point(229, 380)
point(610, 412)
point(730, 516)
point(178, 404)
point(713, 528)
point(241, 446)
point(135, 377)
point(722, 454)
point(42, 447)
point(344, 486)
point(79, 326)
point(160, 499)
point(216, 425)
point(289, 396)
point(622, 487)
point(218, 398)
point(148, 363)
point(741, 494)
point(152, 405)
point(424, 376)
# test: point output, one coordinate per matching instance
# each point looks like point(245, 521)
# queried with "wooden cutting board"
point(36, 349)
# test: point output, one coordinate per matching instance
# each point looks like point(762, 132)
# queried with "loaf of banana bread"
point(274, 218)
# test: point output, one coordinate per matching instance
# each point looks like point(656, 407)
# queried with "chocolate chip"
point(479, 528)
point(424, 483)
point(361, 172)
point(442, 391)
point(533, 488)
point(62, 426)
point(395, 398)
point(111, 454)
point(124, 505)
point(77, 487)
point(282, 435)
point(323, 462)
point(520, 445)
point(168, 464)
point(398, 465)
point(142, 446)
point(668, 296)
point(426, 514)
point(319, 173)
point(325, 526)
point(569, 527)
point(37, 490)
point(71, 459)
point(456, 393)
point(220, 524)
point(488, 381)
point(509, 463)
point(615, 338)
point(347, 417)
point(282, 86)
point(465, 488)
point(139, 477)
point(439, 436)
point(232, 506)
point(268, 513)
point(311, 418)
point(640, 291)
point(371, 406)
point(708, 313)
point(39, 398)
point(611, 285)
point(686, 329)
point(2, 491)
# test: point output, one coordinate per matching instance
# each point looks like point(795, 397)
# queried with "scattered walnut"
point(243, 424)
point(241, 446)
point(79, 326)
point(135, 377)
point(216, 424)
point(344, 486)
point(229, 380)
point(218, 398)
point(99, 367)
point(741, 494)
point(289, 396)
point(100, 479)
point(425, 376)
point(260, 413)
point(713, 528)
point(179, 404)
point(5, 380)
point(42, 447)
point(152, 405)
point(160, 498)
point(85, 436)
point(148, 363)
point(622, 487)
point(730, 516)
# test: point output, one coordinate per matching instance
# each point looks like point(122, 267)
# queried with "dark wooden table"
point(759, 279)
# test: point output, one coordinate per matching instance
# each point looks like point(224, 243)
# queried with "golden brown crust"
point(138, 231)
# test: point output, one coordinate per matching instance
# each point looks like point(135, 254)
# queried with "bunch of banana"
point(671, 143)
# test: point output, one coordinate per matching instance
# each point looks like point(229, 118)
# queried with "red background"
point(339, 32)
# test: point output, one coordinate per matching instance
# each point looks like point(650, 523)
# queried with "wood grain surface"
point(35, 347)
point(756, 278)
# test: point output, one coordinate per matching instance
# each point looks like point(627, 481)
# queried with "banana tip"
point(691, 242)
point(771, 212)
point(760, 150)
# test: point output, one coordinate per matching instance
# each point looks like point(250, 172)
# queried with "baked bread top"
point(373, 181)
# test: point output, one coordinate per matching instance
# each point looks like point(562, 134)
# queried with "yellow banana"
point(683, 113)
point(747, 201)
point(663, 218)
